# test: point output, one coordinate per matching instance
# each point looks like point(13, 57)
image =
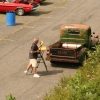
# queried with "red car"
point(19, 6)
point(39, 1)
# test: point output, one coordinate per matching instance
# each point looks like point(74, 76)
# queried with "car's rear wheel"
point(83, 55)
point(52, 62)
point(20, 11)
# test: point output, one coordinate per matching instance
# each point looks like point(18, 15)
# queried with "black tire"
point(52, 62)
point(85, 57)
point(83, 51)
point(20, 11)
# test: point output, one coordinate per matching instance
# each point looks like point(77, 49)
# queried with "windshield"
point(73, 31)
point(9, 0)
point(21, 1)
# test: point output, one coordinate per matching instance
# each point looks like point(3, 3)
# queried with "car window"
point(9, 0)
point(74, 31)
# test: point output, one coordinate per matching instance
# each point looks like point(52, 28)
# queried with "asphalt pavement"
point(15, 42)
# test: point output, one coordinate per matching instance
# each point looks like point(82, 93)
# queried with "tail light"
point(48, 51)
point(76, 54)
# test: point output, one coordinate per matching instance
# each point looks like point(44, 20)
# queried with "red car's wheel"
point(20, 11)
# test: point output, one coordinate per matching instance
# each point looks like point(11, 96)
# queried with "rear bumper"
point(71, 60)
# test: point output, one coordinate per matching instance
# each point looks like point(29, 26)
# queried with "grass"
point(84, 85)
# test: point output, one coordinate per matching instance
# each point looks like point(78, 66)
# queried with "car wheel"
point(81, 53)
point(20, 11)
point(52, 62)
point(85, 57)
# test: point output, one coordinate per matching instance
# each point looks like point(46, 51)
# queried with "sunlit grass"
point(84, 85)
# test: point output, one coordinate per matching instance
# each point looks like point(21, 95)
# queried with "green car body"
point(74, 41)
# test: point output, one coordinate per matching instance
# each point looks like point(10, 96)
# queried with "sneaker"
point(36, 75)
point(26, 72)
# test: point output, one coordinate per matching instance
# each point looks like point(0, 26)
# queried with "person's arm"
point(37, 51)
point(41, 43)
point(33, 50)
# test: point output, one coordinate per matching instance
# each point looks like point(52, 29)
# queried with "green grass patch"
point(10, 97)
point(84, 85)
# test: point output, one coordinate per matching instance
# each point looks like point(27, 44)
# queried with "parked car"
point(39, 1)
point(75, 40)
point(19, 6)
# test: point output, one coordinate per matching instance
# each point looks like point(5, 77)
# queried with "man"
point(33, 54)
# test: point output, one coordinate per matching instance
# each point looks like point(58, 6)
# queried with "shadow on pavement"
point(45, 3)
point(66, 65)
point(45, 73)
point(49, 72)
point(19, 23)
point(37, 13)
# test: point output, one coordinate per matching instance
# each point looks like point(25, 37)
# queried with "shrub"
point(9, 97)
point(84, 85)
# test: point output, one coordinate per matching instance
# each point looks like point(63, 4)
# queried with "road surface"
point(44, 23)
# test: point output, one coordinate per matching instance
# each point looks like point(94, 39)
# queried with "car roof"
point(83, 26)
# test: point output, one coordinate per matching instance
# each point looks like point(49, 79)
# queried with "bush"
point(9, 97)
point(84, 85)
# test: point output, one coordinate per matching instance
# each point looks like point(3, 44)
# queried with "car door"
point(7, 6)
point(2, 7)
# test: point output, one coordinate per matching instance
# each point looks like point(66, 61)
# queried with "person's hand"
point(41, 43)
point(38, 51)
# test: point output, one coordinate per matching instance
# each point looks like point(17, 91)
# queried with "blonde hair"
point(36, 39)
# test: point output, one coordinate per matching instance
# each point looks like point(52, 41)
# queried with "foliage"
point(84, 85)
point(9, 97)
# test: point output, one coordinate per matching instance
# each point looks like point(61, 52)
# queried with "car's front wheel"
point(20, 11)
